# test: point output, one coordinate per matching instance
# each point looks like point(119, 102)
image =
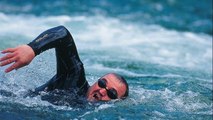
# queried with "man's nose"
point(103, 92)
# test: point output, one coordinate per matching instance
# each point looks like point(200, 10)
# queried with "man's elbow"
point(63, 31)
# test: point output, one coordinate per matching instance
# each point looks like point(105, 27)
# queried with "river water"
point(163, 49)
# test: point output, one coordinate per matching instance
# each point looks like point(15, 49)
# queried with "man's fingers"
point(8, 61)
point(8, 50)
point(8, 56)
point(17, 57)
point(16, 65)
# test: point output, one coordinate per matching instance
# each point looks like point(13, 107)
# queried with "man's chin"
point(92, 99)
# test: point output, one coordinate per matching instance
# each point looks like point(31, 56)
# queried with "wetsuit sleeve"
point(50, 39)
point(60, 39)
point(70, 70)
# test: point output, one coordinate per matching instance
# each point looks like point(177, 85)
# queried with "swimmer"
point(70, 70)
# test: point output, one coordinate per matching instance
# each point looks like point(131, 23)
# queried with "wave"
point(187, 101)
point(151, 43)
point(195, 16)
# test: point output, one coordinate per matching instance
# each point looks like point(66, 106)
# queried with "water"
point(163, 49)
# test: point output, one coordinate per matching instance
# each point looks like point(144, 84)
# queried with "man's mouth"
point(97, 96)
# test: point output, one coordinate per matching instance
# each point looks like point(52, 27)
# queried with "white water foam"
point(172, 101)
point(139, 42)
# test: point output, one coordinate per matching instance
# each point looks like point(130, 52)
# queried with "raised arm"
point(58, 38)
point(66, 51)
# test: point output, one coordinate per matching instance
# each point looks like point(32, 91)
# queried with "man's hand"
point(21, 56)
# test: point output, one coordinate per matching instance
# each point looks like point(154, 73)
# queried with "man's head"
point(110, 86)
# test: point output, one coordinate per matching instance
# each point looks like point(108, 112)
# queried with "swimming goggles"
point(112, 93)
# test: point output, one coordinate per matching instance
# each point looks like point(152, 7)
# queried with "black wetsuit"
point(70, 74)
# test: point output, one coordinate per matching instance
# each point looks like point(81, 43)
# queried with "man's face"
point(111, 84)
